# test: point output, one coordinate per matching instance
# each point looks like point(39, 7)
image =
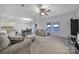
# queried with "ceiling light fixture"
point(44, 11)
point(42, 14)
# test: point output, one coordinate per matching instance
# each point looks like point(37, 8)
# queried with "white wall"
point(77, 13)
point(18, 23)
point(63, 19)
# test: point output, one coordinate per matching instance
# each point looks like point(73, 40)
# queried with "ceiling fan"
point(43, 9)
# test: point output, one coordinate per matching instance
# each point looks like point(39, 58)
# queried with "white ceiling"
point(30, 10)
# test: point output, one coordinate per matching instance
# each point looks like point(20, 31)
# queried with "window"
point(55, 27)
point(49, 27)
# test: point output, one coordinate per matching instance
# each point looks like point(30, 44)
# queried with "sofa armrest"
point(18, 48)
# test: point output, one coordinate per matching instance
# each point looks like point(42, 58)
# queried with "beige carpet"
point(42, 45)
point(50, 45)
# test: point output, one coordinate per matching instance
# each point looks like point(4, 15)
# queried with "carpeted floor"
point(42, 45)
point(50, 45)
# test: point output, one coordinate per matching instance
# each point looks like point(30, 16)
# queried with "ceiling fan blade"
point(48, 10)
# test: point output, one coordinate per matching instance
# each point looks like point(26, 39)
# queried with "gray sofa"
point(19, 48)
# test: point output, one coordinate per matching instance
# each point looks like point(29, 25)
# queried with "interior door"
point(74, 26)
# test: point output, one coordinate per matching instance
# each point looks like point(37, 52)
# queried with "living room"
point(37, 28)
